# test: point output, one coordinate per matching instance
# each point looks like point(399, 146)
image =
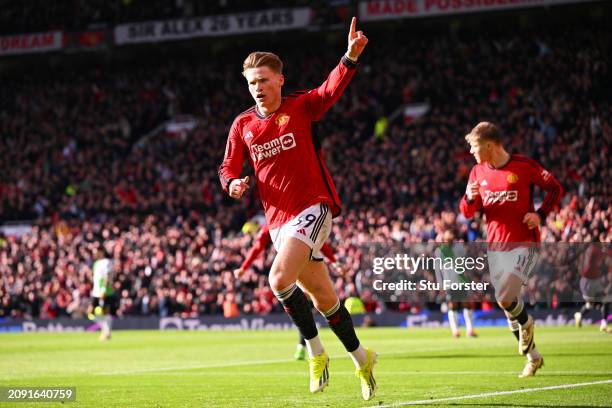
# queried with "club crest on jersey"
point(512, 178)
point(282, 119)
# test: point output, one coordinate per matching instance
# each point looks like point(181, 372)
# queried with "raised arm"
point(319, 100)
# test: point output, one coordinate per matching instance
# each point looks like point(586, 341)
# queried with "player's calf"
point(341, 324)
point(297, 307)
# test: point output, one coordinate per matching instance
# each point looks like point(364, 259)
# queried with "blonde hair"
point(484, 132)
point(263, 59)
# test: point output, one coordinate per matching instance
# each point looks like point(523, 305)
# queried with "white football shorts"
point(312, 226)
point(519, 261)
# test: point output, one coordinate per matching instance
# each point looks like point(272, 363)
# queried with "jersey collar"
point(503, 165)
point(260, 116)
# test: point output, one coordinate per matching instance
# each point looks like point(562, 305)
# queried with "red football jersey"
point(591, 261)
point(289, 169)
point(506, 194)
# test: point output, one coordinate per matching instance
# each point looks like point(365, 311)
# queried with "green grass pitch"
point(234, 369)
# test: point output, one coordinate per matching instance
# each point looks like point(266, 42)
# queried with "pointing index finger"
point(353, 26)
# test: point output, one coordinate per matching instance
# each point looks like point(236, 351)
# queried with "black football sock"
point(340, 322)
point(297, 307)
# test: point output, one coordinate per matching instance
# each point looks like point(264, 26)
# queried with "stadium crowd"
point(75, 162)
point(17, 16)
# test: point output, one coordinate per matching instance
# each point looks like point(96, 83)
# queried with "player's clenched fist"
point(238, 186)
point(472, 191)
point(532, 220)
point(239, 273)
point(356, 41)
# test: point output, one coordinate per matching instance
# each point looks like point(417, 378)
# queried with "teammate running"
point(502, 184)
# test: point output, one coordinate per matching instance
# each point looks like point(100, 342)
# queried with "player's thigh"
point(292, 258)
point(510, 288)
point(315, 281)
point(592, 290)
point(510, 270)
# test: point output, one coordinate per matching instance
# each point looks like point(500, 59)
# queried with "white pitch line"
point(493, 394)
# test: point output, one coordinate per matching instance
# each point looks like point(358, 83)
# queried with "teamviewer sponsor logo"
point(491, 197)
point(287, 141)
point(273, 147)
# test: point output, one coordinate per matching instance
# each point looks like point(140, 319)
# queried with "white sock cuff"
point(284, 294)
point(520, 305)
point(333, 310)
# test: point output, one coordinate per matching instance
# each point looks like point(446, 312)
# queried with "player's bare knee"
point(279, 280)
point(324, 302)
point(504, 304)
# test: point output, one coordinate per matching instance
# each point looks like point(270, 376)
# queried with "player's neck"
point(266, 111)
point(499, 158)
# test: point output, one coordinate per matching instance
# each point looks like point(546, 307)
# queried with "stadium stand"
point(74, 163)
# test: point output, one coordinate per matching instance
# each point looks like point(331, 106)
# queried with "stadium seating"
point(73, 163)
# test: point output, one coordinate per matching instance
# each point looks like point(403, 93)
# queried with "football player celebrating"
point(502, 185)
point(298, 196)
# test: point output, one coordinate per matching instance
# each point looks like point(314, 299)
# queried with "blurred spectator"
point(74, 161)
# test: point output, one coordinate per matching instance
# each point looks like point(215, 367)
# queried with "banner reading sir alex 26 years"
point(211, 26)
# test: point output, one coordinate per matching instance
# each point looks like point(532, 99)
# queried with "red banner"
point(373, 10)
point(31, 43)
point(91, 39)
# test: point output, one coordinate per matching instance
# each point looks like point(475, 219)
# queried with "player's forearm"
point(225, 180)
point(328, 252)
point(338, 79)
point(328, 93)
point(248, 261)
point(250, 258)
point(227, 173)
point(257, 248)
point(234, 157)
point(554, 192)
point(468, 207)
